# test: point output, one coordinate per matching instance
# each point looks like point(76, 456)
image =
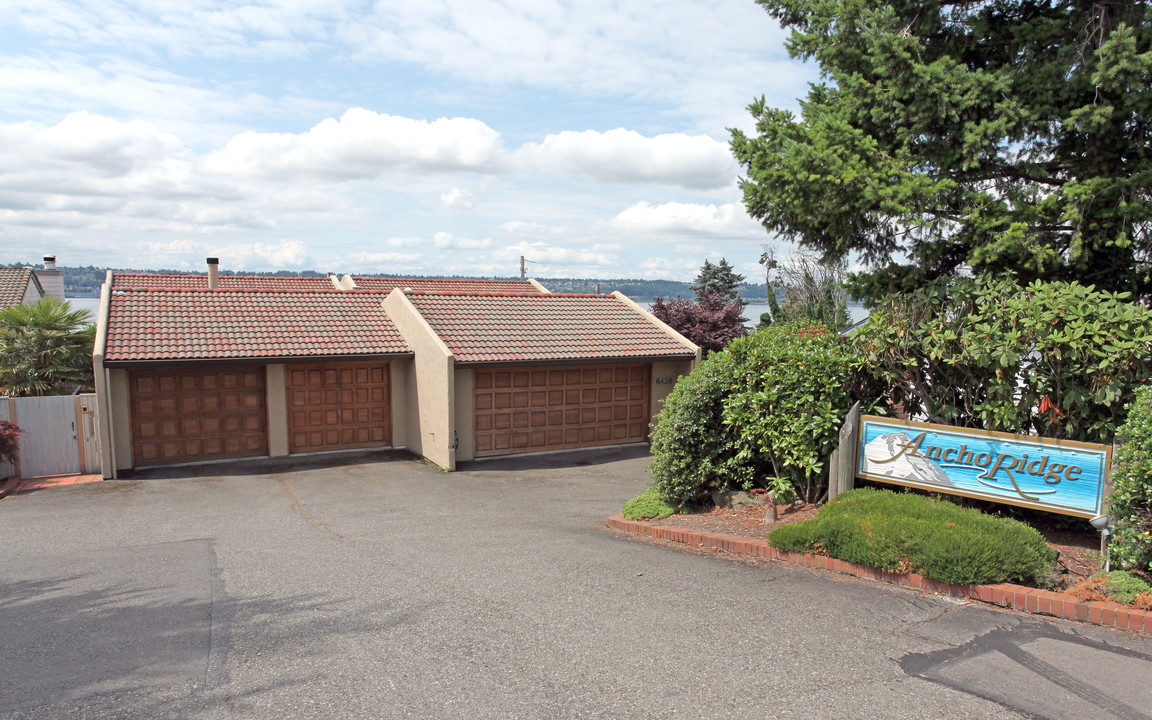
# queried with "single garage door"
point(197, 414)
point(533, 409)
point(336, 406)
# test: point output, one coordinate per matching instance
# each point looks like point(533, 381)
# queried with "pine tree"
point(956, 136)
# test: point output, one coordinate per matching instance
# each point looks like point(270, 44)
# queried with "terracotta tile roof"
point(127, 281)
point(193, 324)
point(448, 285)
point(518, 326)
point(14, 283)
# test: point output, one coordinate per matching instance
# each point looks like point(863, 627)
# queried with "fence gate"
point(59, 435)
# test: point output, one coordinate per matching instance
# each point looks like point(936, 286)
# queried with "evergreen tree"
point(948, 135)
point(718, 279)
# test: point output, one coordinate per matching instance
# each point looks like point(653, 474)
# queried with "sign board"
point(1059, 476)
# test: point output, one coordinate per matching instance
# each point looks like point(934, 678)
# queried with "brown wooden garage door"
point(338, 405)
point(521, 410)
point(197, 414)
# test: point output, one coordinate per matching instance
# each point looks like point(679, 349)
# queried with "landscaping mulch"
point(1079, 551)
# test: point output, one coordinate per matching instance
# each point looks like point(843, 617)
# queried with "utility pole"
point(523, 269)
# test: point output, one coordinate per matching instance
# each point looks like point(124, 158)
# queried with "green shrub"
point(1124, 587)
point(791, 388)
point(906, 532)
point(693, 451)
point(647, 506)
point(1130, 503)
point(1055, 359)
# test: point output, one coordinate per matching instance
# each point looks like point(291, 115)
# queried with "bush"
point(1130, 503)
point(647, 506)
point(693, 451)
point(905, 532)
point(9, 441)
point(1055, 359)
point(791, 388)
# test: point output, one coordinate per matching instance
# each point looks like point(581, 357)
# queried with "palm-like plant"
point(45, 348)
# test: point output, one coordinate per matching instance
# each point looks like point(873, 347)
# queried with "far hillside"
point(85, 281)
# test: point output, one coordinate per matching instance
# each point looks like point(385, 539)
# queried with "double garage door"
point(221, 412)
point(533, 409)
point(197, 414)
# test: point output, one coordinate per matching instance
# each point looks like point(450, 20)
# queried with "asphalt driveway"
point(389, 589)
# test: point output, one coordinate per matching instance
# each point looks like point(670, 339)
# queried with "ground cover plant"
point(1116, 586)
point(906, 532)
point(648, 505)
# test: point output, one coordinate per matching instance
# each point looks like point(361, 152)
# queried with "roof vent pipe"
point(49, 262)
point(213, 272)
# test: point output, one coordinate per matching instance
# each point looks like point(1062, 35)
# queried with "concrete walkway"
point(386, 588)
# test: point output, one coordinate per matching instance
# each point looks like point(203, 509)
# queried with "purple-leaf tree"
point(708, 321)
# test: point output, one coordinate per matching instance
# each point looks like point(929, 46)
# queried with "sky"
point(418, 137)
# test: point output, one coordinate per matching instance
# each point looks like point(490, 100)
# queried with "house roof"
point(125, 281)
point(503, 327)
point(14, 283)
point(195, 324)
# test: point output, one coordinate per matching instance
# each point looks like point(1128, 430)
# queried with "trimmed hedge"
point(905, 532)
point(647, 506)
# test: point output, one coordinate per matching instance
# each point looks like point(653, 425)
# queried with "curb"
point(9, 485)
point(1006, 595)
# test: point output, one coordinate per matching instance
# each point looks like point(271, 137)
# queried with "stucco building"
point(195, 368)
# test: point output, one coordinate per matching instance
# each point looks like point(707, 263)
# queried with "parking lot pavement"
point(385, 588)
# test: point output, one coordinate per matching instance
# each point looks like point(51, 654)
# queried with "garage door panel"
point(348, 406)
point(534, 409)
point(190, 415)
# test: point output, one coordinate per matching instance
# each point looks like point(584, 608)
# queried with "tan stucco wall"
point(398, 372)
point(121, 419)
point(430, 387)
point(664, 375)
point(465, 387)
point(276, 401)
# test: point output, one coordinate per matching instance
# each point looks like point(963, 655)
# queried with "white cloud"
point(624, 156)
point(553, 259)
point(459, 199)
point(518, 228)
point(233, 255)
point(363, 144)
point(661, 268)
point(445, 241)
point(676, 218)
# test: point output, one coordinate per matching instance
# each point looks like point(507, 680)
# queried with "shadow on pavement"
point(565, 459)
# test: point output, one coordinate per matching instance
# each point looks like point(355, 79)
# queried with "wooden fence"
point(59, 438)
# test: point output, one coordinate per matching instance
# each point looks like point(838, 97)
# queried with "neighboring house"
point(208, 367)
point(25, 285)
point(19, 286)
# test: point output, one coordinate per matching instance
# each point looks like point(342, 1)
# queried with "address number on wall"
point(666, 381)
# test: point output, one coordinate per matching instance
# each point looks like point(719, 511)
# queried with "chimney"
point(51, 279)
point(213, 270)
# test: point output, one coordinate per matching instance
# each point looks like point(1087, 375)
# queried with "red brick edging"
point(1017, 597)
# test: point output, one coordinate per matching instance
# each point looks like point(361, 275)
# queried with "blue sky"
point(432, 137)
